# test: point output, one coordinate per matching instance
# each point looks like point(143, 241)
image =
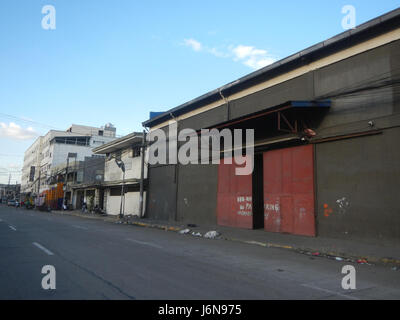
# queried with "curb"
point(307, 251)
point(154, 226)
point(325, 254)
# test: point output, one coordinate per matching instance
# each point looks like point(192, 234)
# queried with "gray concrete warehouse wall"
point(197, 193)
point(356, 178)
point(358, 183)
point(161, 199)
point(371, 70)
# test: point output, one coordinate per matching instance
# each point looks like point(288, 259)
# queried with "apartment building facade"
point(31, 167)
point(50, 154)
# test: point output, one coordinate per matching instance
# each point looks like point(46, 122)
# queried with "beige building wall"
point(132, 203)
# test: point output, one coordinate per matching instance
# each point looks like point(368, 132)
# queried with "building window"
point(135, 152)
point(80, 141)
point(115, 192)
point(101, 132)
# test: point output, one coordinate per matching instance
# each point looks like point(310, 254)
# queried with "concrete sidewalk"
point(352, 250)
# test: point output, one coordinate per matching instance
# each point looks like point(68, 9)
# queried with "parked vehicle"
point(11, 202)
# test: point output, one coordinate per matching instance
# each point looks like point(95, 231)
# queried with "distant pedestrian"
point(84, 207)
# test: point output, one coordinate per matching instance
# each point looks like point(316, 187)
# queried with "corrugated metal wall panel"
point(289, 190)
point(234, 200)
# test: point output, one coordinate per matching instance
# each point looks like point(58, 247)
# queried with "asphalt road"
point(94, 259)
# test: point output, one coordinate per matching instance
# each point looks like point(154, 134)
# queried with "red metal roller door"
point(234, 200)
point(289, 190)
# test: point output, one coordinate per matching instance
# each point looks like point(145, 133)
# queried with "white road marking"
point(12, 228)
point(331, 292)
point(79, 227)
point(42, 248)
point(145, 243)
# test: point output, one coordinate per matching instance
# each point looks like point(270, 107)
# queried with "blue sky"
point(114, 61)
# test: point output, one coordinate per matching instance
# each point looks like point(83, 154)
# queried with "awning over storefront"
point(106, 184)
point(294, 105)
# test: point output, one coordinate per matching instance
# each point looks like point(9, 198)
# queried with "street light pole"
point(121, 165)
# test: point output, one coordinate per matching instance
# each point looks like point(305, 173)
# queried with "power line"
point(27, 121)
point(39, 124)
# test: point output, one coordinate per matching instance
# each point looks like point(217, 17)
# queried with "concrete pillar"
point(97, 197)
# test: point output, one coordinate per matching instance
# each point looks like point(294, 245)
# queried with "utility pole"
point(122, 206)
point(143, 151)
point(38, 191)
point(65, 182)
point(70, 155)
point(8, 187)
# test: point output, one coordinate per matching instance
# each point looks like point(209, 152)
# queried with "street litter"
point(339, 259)
point(198, 234)
point(211, 234)
point(362, 261)
point(315, 253)
point(184, 231)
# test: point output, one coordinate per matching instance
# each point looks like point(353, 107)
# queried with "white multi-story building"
point(30, 170)
point(49, 154)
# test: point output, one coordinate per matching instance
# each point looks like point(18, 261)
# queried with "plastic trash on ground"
point(184, 231)
point(211, 234)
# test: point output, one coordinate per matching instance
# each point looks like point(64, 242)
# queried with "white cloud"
point(252, 57)
point(248, 55)
point(194, 44)
point(14, 131)
point(218, 53)
point(258, 63)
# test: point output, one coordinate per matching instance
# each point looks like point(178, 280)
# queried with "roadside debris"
point(362, 261)
point(184, 231)
point(198, 234)
point(338, 259)
point(316, 254)
point(212, 234)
